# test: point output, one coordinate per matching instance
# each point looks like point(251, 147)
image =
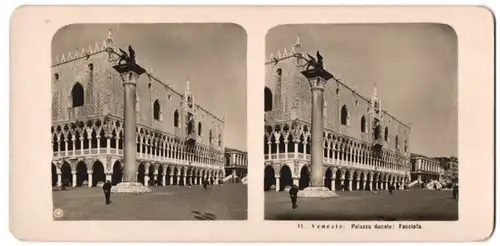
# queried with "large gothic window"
point(190, 124)
point(363, 124)
point(199, 129)
point(397, 142)
point(77, 95)
point(406, 145)
point(157, 110)
point(190, 101)
point(344, 116)
point(377, 132)
point(176, 118)
point(210, 137)
point(268, 100)
point(386, 134)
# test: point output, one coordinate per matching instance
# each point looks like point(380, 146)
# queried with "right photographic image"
point(361, 122)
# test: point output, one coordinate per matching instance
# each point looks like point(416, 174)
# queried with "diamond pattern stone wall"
point(295, 103)
point(103, 94)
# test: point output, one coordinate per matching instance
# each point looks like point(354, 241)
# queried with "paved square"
point(228, 202)
point(364, 205)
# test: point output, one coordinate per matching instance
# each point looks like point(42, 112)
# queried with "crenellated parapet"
point(85, 53)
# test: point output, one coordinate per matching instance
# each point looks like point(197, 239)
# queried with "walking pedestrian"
point(205, 184)
point(293, 195)
point(107, 191)
point(455, 192)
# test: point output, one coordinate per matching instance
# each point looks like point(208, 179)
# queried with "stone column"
point(317, 135)
point(317, 78)
point(295, 181)
point(277, 178)
point(90, 178)
point(66, 147)
point(350, 184)
point(73, 151)
point(357, 184)
point(171, 181)
point(59, 178)
point(146, 179)
point(108, 144)
point(73, 174)
point(334, 178)
point(129, 72)
point(108, 177)
point(164, 179)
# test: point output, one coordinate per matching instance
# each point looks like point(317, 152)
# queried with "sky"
point(415, 67)
point(212, 56)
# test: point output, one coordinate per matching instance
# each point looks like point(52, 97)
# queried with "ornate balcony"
point(289, 141)
point(100, 136)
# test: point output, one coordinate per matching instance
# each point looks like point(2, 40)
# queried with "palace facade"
point(236, 164)
point(365, 147)
point(178, 141)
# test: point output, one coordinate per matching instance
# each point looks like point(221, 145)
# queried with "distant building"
point(236, 164)
point(426, 169)
point(450, 166)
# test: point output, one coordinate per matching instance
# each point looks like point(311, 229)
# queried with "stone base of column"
point(130, 187)
point(317, 192)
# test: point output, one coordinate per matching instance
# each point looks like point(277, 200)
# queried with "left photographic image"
point(149, 122)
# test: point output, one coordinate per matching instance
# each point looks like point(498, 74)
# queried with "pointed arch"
point(81, 173)
point(200, 129)
point(117, 173)
point(77, 95)
point(386, 134)
point(98, 173)
point(269, 177)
